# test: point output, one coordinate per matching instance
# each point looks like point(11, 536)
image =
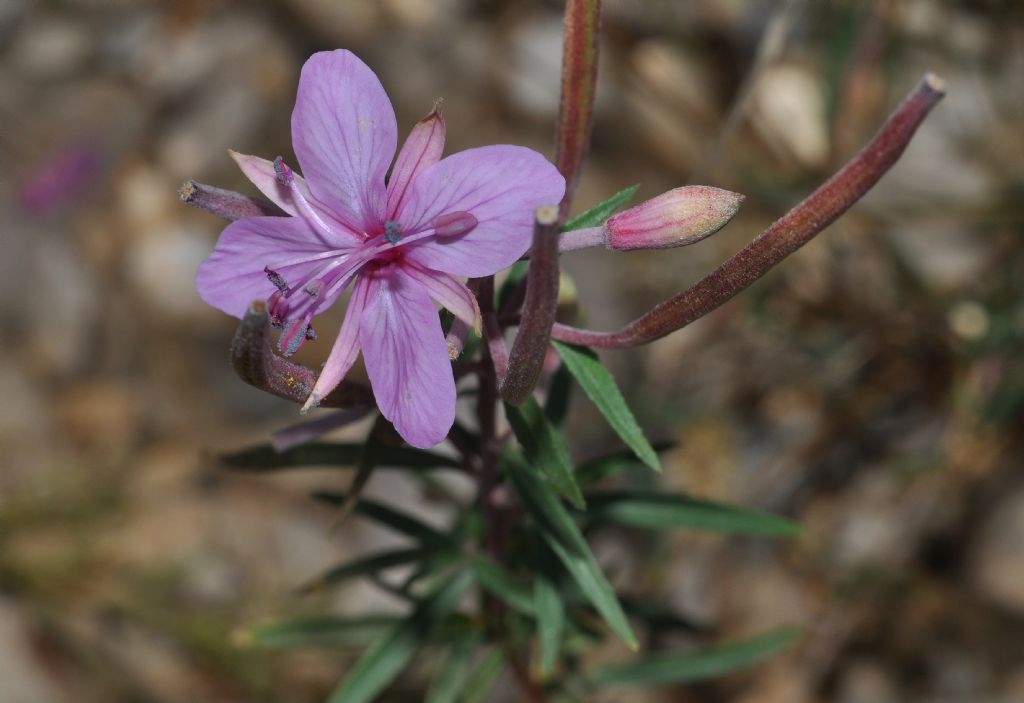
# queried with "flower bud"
point(679, 217)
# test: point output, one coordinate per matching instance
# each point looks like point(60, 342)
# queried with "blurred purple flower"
point(59, 178)
point(399, 243)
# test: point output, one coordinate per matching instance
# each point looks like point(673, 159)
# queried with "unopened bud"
point(679, 217)
point(453, 224)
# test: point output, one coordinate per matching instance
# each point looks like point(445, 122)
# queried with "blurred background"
point(871, 387)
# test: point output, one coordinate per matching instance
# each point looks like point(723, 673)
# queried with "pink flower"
point(399, 244)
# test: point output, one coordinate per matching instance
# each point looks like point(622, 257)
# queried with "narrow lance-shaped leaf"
point(601, 467)
point(661, 669)
point(499, 581)
point(564, 538)
point(448, 684)
point(659, 511)
point(364, 566)
point(385, 659)
point(481, 681)
point(391, 517)
point(545, 448)
point(595, 216)
point(266, 458)
point(325, 631)
point(600, 387)
point(547, 602)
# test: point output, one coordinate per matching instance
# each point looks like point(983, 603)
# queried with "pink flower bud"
point(679, 217)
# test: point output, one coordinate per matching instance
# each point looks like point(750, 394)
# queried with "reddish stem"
point(526, 360)
point(786, 235)
point(581, 33)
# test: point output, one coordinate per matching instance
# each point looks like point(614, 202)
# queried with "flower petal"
point(344, 135)
point(261, 173)
point(346, 346)
point(407, 359)
point(233, 275)
point(448, 291)
point(499, 185)
point(422, 148)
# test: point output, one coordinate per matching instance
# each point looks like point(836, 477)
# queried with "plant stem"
point(786, 235)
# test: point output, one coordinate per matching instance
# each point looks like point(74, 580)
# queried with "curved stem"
point(786, 235)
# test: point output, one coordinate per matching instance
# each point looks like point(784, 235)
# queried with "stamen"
point(314, 287)
point(286, 177)
point(392, 232)
point(454, 224)
point(294, 334)
point(310, 333)
point(277, 308)
point(277, 279)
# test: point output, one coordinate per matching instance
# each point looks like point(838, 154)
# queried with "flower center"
point(294, 303)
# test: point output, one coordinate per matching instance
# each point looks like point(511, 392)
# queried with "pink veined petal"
point(261, 173)
point(346, 346)
point(344, 135)
point(407, 359)
point(447, 291)
point(233, 276)
point(499, 185)
point(422, 148)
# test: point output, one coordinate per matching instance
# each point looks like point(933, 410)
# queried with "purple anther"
point(276, 278)
point(453, 224)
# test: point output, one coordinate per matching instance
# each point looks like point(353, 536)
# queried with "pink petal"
point(448, 291)
point(346, 346)
point(407, 358)
point(499, 185)
point(344, 135)
point(233, 276)
point(422, 148)
point(261, 173)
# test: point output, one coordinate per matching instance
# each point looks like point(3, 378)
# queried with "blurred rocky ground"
point(871, 387)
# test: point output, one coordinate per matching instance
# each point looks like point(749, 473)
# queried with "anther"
point(284, 173)
point(313, 288)
point(293, 336)
point(276, 278)
point(453, 224)
point(392, 232)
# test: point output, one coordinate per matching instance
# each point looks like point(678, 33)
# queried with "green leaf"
point(547, 602)
point(596, 215)
point(386, 515)
point(559, 391)
point(502, 583)
point(266, 458)
point(451, 679)
point(660, 669)
point(565, 539)
point(324, 631)
point(367, 565)
point(599, 385)
point(544, 447)
point(660, 511)
point(602, 467)
point(385, 659)
point(483, 678)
